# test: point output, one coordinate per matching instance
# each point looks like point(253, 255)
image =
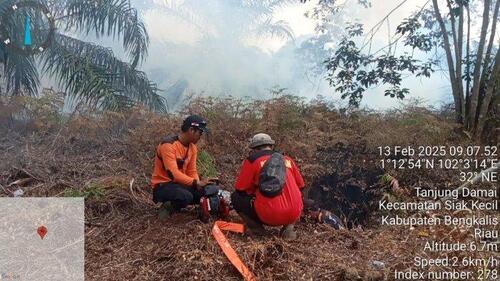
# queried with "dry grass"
point(108, 158)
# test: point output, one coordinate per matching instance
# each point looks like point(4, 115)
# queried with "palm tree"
point(231, 20)
point(90, 73)
point(224, 31)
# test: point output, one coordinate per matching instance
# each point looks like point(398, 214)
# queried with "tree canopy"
point(439, 31)
point(89, 73)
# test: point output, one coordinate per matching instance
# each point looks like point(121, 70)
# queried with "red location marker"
point(42, 231)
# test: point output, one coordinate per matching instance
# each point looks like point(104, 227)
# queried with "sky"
point(432, 91)
point(210, 51)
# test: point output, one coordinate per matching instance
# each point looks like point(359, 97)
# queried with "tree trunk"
point(492, 87)
point(451, 69)
point(17, 86)
point(467, 84)
point(473, 105)
point(459, 54)
point(453, 27)
point(487, 58)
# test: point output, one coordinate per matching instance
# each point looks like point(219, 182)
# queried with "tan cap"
point(260, 139)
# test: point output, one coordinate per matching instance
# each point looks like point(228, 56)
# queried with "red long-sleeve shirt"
point(280, 210)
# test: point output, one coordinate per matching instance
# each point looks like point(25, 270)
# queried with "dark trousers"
point(243, 203)
point(178, 194)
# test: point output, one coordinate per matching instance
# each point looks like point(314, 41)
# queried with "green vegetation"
point(93, 191)
point(90, 74)
point(206, 164)
point(472, 60)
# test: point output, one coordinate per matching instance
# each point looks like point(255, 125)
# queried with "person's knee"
point(161, 193)
point(184, 198)
point(236, 201)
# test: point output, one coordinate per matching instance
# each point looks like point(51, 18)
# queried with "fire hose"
point(228, 250)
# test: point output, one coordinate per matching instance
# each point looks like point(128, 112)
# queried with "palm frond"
point(188, 12)
point(268, 7)
point(92, 74)
point(278, 29)
point(21, 75)
point(110, 18)
point(116, 102)
point(246, 17)
point(5, 4)
point(20, 72)
point(3, 53)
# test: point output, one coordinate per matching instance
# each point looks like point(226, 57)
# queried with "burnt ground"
point(352, 185)
point(125, 240)
point(108, 159)
point(131, 242)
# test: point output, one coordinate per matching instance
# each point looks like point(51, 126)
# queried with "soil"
point(109, 159)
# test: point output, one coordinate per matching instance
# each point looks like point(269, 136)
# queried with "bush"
point(42, 113)
point(124, 144)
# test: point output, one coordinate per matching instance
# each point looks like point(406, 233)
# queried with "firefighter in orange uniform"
point(175, 179)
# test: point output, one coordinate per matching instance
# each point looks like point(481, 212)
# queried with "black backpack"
point(273, 175)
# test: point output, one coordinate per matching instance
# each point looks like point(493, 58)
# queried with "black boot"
point(252, 227)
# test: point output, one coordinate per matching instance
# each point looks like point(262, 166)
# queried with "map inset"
point(24, 255)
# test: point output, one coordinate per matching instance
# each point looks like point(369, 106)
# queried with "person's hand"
point(201, 184)
point(214, 180)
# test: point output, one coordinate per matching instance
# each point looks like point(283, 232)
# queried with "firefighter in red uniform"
point(257, 209)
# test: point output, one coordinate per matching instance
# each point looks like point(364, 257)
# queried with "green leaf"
point(92, 74)
point(21, 75)
point(111, 18)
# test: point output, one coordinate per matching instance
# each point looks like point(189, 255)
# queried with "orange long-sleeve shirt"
point(167, 165)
